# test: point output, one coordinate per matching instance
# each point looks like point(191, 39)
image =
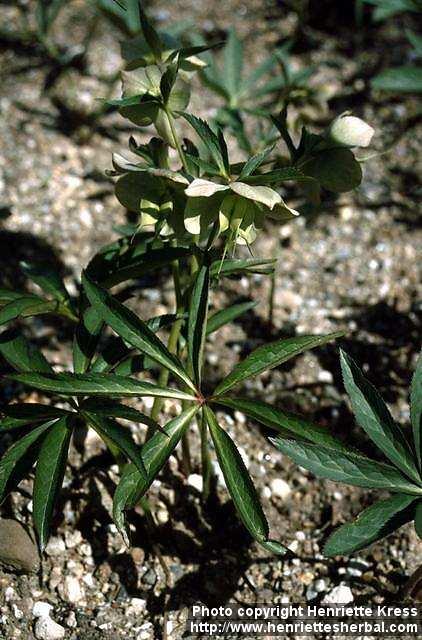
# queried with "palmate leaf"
point(284, 421)
point(22, 354)
point(97, 384)
point(269, 356)
point(350, 468)
point(110, 431)
point(240, 485)
point(17, 451)
point(416, 409)
point(22, 414)
point(155, 453)
point(49, 476)
point(374, 417)
point(197, 322)
point(132, 329)
point(373, 524)
point(223, 317)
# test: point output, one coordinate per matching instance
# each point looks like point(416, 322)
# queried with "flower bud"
point(350, 131)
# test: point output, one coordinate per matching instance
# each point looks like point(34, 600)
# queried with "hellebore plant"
point(191, 213)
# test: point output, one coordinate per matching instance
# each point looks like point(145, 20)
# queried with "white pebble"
point(239, 417)
point(9, 594)
point(195, 480)
point(136, 606)
point(280, 488)
point(41, 609)
point(266, 492)
point(48, 629)
point(339, 595)
point(55, 547)
point(72, 538)
point(325, 376)
point(320, 585)
point(72, 590)
point(71, 620)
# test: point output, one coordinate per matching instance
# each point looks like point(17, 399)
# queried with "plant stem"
point(172, 341)
point(271, 299)
point(205, 458)
point(186, 460)
point(177, 140)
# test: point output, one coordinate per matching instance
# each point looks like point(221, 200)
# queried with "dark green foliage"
point(402, 476)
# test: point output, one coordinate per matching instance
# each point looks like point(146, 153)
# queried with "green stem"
point(176, 140)
point(271, 299)
point(172, 341)
point(205, 458)
point(186, 459)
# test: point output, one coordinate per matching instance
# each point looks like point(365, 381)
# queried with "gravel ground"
point(355, 267)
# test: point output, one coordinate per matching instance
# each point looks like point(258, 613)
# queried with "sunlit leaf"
point(49, 476)
point(271, 355)
point(373, 524)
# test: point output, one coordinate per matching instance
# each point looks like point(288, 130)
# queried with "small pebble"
point(339, 595)
point(72, 590)
point(280, 488)
point(55, 547)
point(195, 480)
point(136, 606)
point(41, 609)
point(48, 629)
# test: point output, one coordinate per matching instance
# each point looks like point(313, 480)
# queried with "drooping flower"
point(240, 208)
point(350, 131)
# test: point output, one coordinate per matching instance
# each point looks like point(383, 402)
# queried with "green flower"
point(153, 193)
point(240, 208)
point(350, 131)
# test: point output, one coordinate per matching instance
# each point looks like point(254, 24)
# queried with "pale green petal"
point(264, 195)
point(193, 225)
point(204, 209)
point(226, 212)
point(203, 188)
point(173, 176)
point(166, 230)
point(141, 81)
point(246, 236)
point(147, 220)
point(122, 165)
point(282, 213)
